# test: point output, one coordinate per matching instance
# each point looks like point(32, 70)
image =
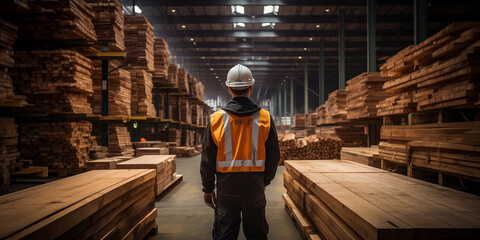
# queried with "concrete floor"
point(182, 213)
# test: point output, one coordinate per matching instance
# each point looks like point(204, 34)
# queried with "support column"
point(305, 82)
point(371, 36)
point(420, 20)
point(321, 75)
point(285, 100)
point(341, 49)
point(280, 103)
point(292, 109)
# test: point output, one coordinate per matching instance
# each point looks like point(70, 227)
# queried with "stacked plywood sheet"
point(119, 143)
point(364, 155)
point(8, 144)
point(142, 103)
point(335, 107)
point(183, 80)
point(119, 89)
point(164, 166)
point(311, 147)
point(451, 148)
point(439, 73)
point(56, 144)
point(54, 80)
point(68, 19)
point(101, 204)
point(8, 33)
point(139, 42)
point(162, 60)
point(300, 120)
point(363, 94)
point(184, 152)
point(347, 200)
point(109, 24)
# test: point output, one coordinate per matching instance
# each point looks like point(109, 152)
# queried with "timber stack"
point(363, 94)
point(142, 97)
point(8, 144)
point(161, 59)
point(139, 42)
point(335, 107)
point(311, 147)
point(321, 115)
point(109, 24)
point(364, 155)
point(337, 200)
point(173, 74)
point(183, 80)
point(184, 152)
point(174, 135)
point(312, 119)
point(119, 143)
point(299, 120)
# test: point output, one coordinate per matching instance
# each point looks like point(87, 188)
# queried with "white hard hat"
point(239, 77)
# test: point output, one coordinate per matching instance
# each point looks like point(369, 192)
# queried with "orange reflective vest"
point(240, 141)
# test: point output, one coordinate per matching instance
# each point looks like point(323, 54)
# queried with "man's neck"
point(245, 96)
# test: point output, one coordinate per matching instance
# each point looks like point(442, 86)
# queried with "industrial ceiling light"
point(216, 77)
point(299, 57)
point(174, 11)
point(137, 9)
point(311, 39)
point(237, 9)
point(305, 49)
point(191, 39)
point(235, 25)
point(327, 10)
point(183, 26)
point(203, 57)
point(194, 43)
point(317, 26)
point(271, 9)
point(211, 69)
point(271, 25)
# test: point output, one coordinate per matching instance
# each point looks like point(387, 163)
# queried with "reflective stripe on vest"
point(229, 161)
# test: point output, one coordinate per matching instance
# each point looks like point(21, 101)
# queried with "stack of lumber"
point(346, 200)
point(183, 80)
point(196, 88)
point(151, 151)
point(321, 115)
point(197, 114)
point(174, 135)
point(101, 204)
point(162, 59)
point(364, 155)
point(158, 144)
point(451, 148)
point(299, 120)
point(109, 24)
point(106, 163)
point(164, 166)
point(173, 75)
point(98, 151)
point(439, 73)
point(185, 110)
point(161, 104)
point(119, 143)
point(8, 33)
point(351, 136)
point(311, 147)
point(363, 94)
point(54, 80)
point(56, 144)
point(184, 152)
point(68, 19)
point(188, 138)
point(119, 88)
point(8, 144)
point(312, 119)
point(335, 107)
point(139, 42)
point(142, 98)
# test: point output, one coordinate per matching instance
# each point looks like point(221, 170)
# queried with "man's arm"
point(208, 163)
point(272, 154)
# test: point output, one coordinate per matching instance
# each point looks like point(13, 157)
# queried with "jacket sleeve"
point(272, 154)
point(208, 161)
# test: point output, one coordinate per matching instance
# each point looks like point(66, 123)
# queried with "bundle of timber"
point(185, 109)
point(439, 73)
point(311, 147)
point(139, 42)
point(101, 204)
point(119, 143)
point(174, 135)
point(98, 151)
point(188, 138)
point(346, 200)
point(173, 74)
point(451, 148)
point(119, 88)
point(56, 144)
point(68, 19)
point(363, 94)
point(196, 88)
point(364, 155)
point(8, 144)
point(184, 152)
point(164, 166)
point(151, 151)
point(54, 80)
point(197, 114)
point(162, 59)
point(183, 80)
point(109, 24)
point(201, 91)
point(142, 102)
point(351, 136)
point(161, 104)
point(154, 144)
point(106, 163)
point(299, 120)
point(8, 33)
point(335, 107)
point(312, 119)
point(321, 115)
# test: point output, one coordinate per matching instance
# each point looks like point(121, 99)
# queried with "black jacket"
point(239, 183)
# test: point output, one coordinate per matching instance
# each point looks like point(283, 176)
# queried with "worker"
point(240, 148)
point(143, 139)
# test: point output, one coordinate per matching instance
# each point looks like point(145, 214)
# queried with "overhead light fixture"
point(137, 9)
point(216, 77)
point(191, 39)
point(271, 25)
point(211, 69)
point(327, 10)
point(311, 39)
point(305, 49)
point(238, 9)
point(203, 57)
point(299, 57)
point(235, 25)
point(174, 11)
point(183, 26)
point(194, 43)
point(271, 9)
point(317, 26)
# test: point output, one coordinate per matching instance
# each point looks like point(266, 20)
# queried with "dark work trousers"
point(231, 210)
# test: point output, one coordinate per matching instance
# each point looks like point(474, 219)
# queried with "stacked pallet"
point(335, 107)
point(54, 80)
point(109, 24)
point(8, 33)
point(347, 200)
point(299, 120)
point(102, 204)
point(439, 73)
point(363, 94)
point(173, 75)
point(364, 155)
point(139, 42)
point(184, 152)
point(119, 143)
point(142, 99)
point(46, 19)
point(183, 80)
point(451, 148)
point(8, 144)
point(56, 144)
point(119, 88)
point(162, 59)
point(311, 147)
point(164, 166)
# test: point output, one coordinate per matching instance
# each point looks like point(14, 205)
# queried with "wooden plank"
point(303, 225)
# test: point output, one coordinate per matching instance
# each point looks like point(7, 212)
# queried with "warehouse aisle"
point(183, 215)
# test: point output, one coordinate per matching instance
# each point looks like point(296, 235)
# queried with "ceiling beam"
point(346, 3)
point(274, 53)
